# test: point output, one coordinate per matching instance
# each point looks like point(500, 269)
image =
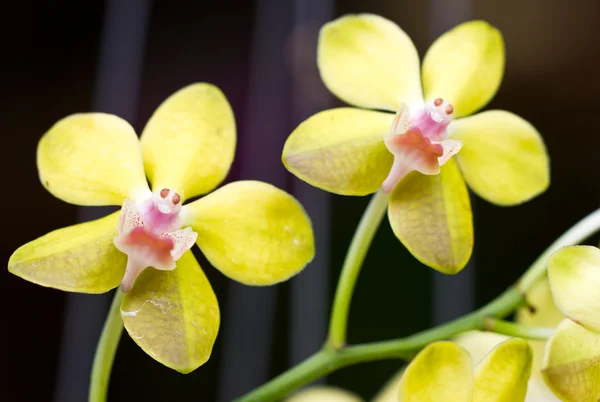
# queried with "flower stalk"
point(330, 359)
point(533, 333)
point(106, 350)
point(365, 232)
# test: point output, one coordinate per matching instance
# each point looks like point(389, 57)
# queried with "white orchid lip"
point(419, 140)
point(149, 233)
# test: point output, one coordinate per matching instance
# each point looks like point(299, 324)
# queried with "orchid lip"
point(419, 140)
point(149, 233)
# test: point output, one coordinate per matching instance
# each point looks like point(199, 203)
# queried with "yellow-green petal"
point(431, 215)
point(91, 159)
point(368, 61)
point(443, 371)
point(504, 373)
point(390, 392)
point(189, 141)
point(465, 66)
point(503, 158)
point(574, 276)
point(252, 231)
point(79, 258)
point(324, 393)
point(341, 151)
point(572, 363)
point(173, 315)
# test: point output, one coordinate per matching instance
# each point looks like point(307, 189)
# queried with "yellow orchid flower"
point(251, 231)
point(369, 62)
point(571, 365)
point(443, 371)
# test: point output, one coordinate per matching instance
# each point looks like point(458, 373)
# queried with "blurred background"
point(125, 57)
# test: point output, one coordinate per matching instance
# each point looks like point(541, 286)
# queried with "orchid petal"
point(441, 372)
point(465, 66)
point(253, 232)
point(574, 277)
point(189, 141)
point(341, 151)
point(503, 374)
point(79, 258)
point(368, 61)
point(91, 159)
point(571, 367)
point(503, 159)
point(431, 215)
point(173, 315)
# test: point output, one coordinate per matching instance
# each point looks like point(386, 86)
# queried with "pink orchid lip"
point(418, 141)
point(148, 232)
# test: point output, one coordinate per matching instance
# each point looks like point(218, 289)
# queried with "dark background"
point(62, 57)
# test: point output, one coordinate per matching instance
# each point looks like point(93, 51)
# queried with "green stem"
point(576, 234)
point(329, 359)
point(354, 258)
point(106, 350)
point(519, 330)
point(310, 369)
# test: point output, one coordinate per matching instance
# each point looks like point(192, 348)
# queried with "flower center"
point(431, 119)
point(148, 232)
point(419, 140)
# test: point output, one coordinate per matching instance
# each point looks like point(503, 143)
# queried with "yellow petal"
point(572, 363)
point(503, 375)
point(574, 276)
point(91, 159)
point(252, 232)
point(503, 157)
point(441, 372)
point(79, 258)
point(341, 151)
point(465, 66)
point(189, 141)
point(368, 61)
point(431, 215)
point(324, 393)
point(173, 315)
